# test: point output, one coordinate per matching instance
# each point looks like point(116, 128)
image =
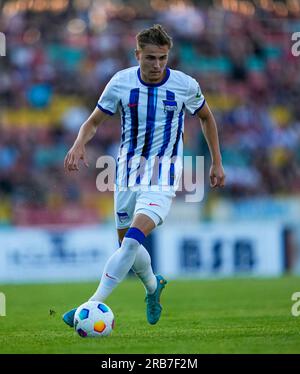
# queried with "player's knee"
point(152, 218)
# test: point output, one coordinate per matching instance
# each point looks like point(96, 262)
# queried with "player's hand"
point(76, 153)
point(217, 175)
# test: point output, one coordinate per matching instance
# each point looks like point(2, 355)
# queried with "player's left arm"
point(210, 131)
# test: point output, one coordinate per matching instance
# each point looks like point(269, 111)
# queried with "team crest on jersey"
point(170, 105)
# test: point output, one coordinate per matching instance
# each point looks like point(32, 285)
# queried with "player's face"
point(153, 60)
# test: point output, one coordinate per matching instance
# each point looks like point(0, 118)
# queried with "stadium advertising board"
point(201, 250)
point(31, 255)
point(212, 250)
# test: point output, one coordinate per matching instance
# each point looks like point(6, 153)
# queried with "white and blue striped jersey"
point(152, 119)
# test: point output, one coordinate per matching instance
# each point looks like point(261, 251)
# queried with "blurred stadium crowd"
point(60, 57)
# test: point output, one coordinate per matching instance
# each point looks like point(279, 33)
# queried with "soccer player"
point(152, 101)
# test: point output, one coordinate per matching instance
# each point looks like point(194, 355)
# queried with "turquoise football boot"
point(153, 301)
point(68, 317)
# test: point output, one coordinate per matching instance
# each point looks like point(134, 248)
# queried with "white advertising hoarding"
point(197, 250)
point(29, 255)
point(218, 249)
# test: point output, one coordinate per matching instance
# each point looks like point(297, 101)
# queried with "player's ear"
point(137, 54)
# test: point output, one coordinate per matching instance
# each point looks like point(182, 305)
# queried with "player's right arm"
point(86, 133)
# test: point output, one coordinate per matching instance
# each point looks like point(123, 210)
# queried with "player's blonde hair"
point(154, 35)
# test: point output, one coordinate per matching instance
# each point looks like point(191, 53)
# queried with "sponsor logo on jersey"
point(198, 95)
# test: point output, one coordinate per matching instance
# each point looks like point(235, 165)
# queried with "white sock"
point(142, 268)
point(116, 268)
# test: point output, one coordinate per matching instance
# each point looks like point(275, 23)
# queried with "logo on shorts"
point(123, 216)
point(170, 105)
point(153, 204)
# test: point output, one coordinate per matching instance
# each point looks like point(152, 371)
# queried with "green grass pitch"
point(199, 316)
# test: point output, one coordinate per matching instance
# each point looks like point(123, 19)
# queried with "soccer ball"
point(93, 319)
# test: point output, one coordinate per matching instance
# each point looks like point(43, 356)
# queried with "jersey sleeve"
point(109, 99)
point(194, 99)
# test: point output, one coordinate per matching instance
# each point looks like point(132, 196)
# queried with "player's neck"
point(147, 79)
